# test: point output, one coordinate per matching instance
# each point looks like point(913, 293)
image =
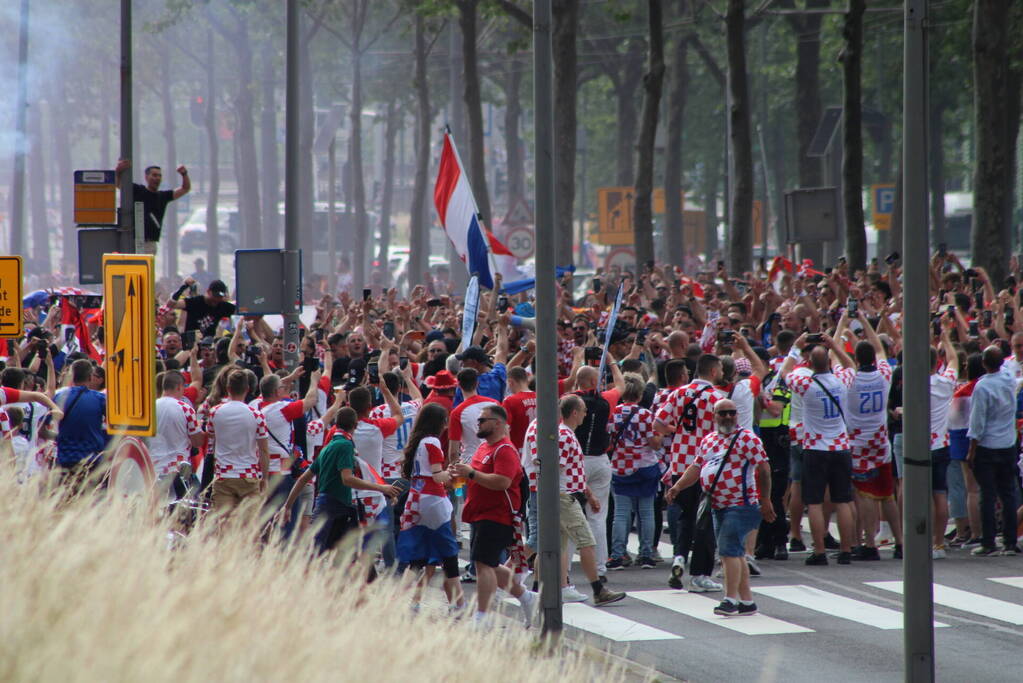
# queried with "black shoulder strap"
point(621, 430)
point(833, 399)
point(717, 475)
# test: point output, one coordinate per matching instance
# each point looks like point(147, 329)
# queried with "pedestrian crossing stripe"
point(965, 601)
point(610, 625)
point(1014, 581)
point(837, 605)
point(702, 608)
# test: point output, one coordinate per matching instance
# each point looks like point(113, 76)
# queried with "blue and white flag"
point(607, 336)
point(469, 313)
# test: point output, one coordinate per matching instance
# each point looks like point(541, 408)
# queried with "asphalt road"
point(839, 622)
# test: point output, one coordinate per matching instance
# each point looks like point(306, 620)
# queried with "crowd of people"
point(778, 392)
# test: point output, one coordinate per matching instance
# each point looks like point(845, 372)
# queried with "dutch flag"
point(459, 215)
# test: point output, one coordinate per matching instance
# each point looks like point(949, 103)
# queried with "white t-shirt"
point(744, 393)
point(866, 406)
point(176, 422)
point(796, 403)
point(34, 414)
point(279, 415)
point(369, 438)
point(943, 385)
point(823, 425)
point(235, 427)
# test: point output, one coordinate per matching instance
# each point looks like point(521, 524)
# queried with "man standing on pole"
point(154, 200)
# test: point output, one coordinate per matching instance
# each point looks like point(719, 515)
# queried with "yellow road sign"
point(95, 198)
point(10, 296)
point(614, 213)
point(130, 342)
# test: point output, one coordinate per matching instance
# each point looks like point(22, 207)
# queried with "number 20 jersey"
point(866, 416)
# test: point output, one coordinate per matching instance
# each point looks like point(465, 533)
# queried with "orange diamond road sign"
point(130, 342)
point(10, 296)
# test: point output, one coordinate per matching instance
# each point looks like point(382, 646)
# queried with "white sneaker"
point(570, 594)
point(527, 603)
point(938, 554)
point(704, 584)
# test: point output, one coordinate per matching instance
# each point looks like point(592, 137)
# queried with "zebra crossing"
point(604, 622)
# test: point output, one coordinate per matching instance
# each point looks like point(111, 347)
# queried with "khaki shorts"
point(574, 526)
point(229, 493)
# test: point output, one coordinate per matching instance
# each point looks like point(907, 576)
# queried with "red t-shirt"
point(9, 396)
point(521, 409)
point(482, 503)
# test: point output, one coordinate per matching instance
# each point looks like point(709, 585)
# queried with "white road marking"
point(702, 608)
point(975, 603)
point(837, 605)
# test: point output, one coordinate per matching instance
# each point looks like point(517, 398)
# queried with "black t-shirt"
point(592, 433)
point(154, 206)
point(204, 317)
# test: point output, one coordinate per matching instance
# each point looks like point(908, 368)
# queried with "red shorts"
point(878, 483)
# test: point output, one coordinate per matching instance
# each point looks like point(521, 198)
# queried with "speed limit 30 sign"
point(520, 242)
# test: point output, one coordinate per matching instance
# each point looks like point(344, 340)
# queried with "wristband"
point(795, 354)
point(177, 295)
point(472, 474)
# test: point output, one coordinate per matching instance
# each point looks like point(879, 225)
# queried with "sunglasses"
point(726, 413)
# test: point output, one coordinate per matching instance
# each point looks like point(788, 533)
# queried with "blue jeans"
point(731, 525)
point(387, 550)
point(625, 507)
point(956, 490)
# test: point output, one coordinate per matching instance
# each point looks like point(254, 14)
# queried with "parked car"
point(193, 232)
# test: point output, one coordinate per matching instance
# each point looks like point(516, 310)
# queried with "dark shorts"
point(489, 540)
point(831, 470)
point(940, 457)
point(795, 462)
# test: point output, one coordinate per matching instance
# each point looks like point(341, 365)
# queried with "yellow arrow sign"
point(130, 341)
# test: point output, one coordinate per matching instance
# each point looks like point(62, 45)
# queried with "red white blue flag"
point(459, 215)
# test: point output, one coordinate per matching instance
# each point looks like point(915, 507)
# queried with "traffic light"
point(198, 111)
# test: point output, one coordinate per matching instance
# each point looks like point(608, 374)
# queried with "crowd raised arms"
point(731, 405)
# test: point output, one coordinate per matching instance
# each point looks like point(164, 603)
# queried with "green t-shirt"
point(338, 455)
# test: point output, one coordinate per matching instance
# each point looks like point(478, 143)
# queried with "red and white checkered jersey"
point(393, 452)
point(737, 484)
point(744, 395)
point(279, 415)
point(565, 349)
point(570, 461)
point(315, 437)
point(631, 450)
point(823, 425)
point(664, 453)
point(234, 429)
point(529, 458)
point(796, 403)
point(690, 408)
point(369, 438)
point(176, 422)
point(943, 385)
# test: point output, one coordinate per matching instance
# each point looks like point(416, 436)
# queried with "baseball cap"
point(475, 353)
point(218, 288)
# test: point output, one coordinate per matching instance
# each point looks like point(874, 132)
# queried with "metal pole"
point(17, 236)
point(127, 217)
point(292, 286)
point(546, 355)
point(918, 605)
point(331, 215)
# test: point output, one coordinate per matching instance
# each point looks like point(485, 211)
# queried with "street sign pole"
point(918, 601)
point(292, 301)
point(547, 415)
point(127, 221)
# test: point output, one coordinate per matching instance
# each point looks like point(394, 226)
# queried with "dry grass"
point(92, 593)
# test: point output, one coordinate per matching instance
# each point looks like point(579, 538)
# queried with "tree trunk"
point(355, 164)
point(247, 172)
point(808, 99)
point(387, 193)
point(512, 140)
point(474, 108)
point(626, 114)
point(653, 83)
point(213, 147)
point(419, 223)
point(41, 263)
point(564, 30)
point(993, 172)
point(65, 173)
point(740, 234)
point(169, 233)
point(852, 137)
point(936, 175)
point(674, 227)
point(269, 155)
point(710, 204)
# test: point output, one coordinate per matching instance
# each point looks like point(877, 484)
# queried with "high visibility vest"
point(783, 396)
